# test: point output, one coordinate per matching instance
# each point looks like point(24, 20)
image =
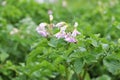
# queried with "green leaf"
point(62, 69)
point(58, 60)
point(103, 77)
point(53, 42)
point(1, 78)
point(3, 56)
point(113, 65)
point(94, 43)
point(78, 65)
point(87, 76)
point(90, 59)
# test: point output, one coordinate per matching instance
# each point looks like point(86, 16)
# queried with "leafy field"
point(62, 40)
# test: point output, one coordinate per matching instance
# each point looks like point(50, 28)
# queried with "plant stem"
point(80, 77)
point(84, 74)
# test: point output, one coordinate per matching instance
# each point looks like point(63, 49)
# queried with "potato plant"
point(59, 40)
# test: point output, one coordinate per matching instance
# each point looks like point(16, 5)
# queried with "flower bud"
point(51, 17)
point(76, 24)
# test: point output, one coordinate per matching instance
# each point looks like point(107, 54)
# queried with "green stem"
point(84, 74)
point(66, 74)
point(66, 70)
point(85, 71)
point(79, 77)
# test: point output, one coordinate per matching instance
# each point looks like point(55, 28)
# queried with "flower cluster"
point(44, 30)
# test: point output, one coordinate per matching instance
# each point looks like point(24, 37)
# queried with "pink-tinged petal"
point(71, 39)
point(41, 26)
point(43, 33)
point(75, 33)
point(68, 35)
point(41, 29)
point(60, 34)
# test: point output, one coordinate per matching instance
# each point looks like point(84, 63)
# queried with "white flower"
point(60, 24)
point(63, 28)
point(75, 32)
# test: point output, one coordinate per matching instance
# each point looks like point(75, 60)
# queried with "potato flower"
point(42, 30)
point(70, 38)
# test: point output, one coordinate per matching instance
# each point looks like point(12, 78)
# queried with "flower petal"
point(75, 33)
point(60, 34)
point(60, 24)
